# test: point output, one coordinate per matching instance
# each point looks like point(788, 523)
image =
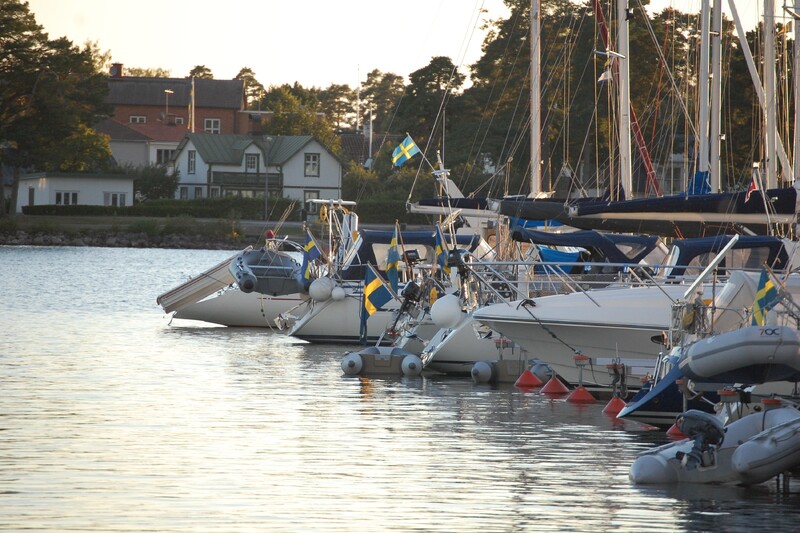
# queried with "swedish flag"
point(392, 261)
point(310, 252)
point(376, 295)
point(404, 152)
point(441, 251)
point(766, 298)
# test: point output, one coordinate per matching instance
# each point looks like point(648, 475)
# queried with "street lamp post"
point(167, 92)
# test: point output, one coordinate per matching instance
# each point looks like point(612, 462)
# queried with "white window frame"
point(191, 161)
point(137, 119)
point(161, 153)
point(183, 192)
point(311, 195)
point(179, 121)
point(198, 192)
point(311, 165)
point(66, 198)
point(251, 162)
point(114, 199)
point(212, 125)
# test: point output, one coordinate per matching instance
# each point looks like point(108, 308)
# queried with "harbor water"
point(114, 419)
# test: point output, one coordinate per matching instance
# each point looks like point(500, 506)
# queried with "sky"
point(313, 42)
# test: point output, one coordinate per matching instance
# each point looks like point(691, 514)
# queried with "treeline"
point(475, 117)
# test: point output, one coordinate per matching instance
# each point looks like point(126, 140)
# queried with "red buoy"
point(580, 395)
point(528, 379)
point(614, 406)
point(555, 386)
point(676, 434)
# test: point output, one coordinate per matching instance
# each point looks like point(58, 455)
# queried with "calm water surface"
point(112, 419)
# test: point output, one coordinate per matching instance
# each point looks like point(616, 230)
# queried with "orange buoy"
point(528, 379)
point(676, 434)
point(555, 386)
point(580, 395)
point(614, 406)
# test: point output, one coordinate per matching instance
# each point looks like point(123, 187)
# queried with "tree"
point(382, 91)
point(154, 183)
point(291, 117)
point(157, 72)
point(338, 103)
point(201, 71)
point(51, 91)
point(253, 90)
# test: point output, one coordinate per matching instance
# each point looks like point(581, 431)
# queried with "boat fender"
point(337, 294)
point(411, 366)
point(446, 311)
point(321, 289)
point(484, 372)
point(707, 433)
point(542, 371)
point(352, 363)
point(247, 282)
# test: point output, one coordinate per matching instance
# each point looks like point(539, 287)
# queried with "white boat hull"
point(456, 350)
point(235, 308)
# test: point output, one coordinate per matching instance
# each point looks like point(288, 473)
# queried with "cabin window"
point(311, 165)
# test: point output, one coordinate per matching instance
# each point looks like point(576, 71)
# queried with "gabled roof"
point(129, 90)
point(119, 131)
point(229, 149)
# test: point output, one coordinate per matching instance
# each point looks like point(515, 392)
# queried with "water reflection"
point(112, 419)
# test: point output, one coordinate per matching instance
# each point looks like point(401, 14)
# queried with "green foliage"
point(149, 226)
point(154, 183)
point(201, 71)
point(8, 226)
point(157, 72)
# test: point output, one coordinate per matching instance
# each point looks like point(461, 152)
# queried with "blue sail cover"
point(603, 247)
point(699, 184)
point(776, 256)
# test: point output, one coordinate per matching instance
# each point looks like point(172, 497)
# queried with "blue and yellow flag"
point(404, 152)
point(393, 261)
point(310, 252)
point(376, 295)
point(441, 251)
point(766, 298)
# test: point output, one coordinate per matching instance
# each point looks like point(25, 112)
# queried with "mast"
point(536, 107)
point(701, 175)
point(715, 127)
point(623, 91)
point(770, 116)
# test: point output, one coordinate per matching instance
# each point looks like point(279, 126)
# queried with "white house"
point(297, 167)
point(63, 188)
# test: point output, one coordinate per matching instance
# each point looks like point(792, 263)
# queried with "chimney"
point(116, 70)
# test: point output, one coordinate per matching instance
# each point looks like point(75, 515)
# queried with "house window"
point(164, 156)
point(190, 166)
point(211, 125)
point(137, 119)
point(114, 199)
point(66, 198)
point(198, 192)
point(179, 121)
point(251, 162)
point(184, 193)
point(312, 166)
point(311, 195)
point(214, 192)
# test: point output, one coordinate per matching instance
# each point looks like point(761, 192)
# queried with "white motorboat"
point(619, 324)
point(748, 451)
point(333, 313)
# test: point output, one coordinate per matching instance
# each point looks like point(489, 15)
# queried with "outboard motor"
point(706, 431)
